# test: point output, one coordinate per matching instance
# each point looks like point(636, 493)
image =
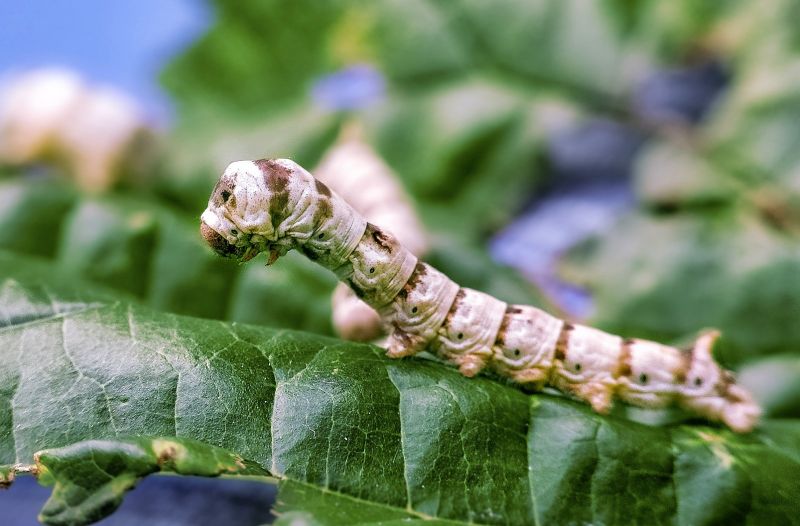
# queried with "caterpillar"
point(96, 134)
point(368, 184)
point(274, 205)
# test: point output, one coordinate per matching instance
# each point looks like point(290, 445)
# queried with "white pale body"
point(655, 372)
point(467, 336)
point(352, 318)
point(378, 268)
point(52, 115)
point(419, 311)
point(589, 367)
point(525, 350)
point(97, 135)
point(356, 172)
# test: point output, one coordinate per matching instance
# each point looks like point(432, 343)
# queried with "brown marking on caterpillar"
point(726, 379)
point(276, 177)
point(401, 335)
point(686, 364)
point(562, 344)
point(500, 339)
point(380, 237)
point(419, 272)
point(454, 307)
point(321, 188)
point(323, 212)
point(688, 361)
point(223, 186)
point(624, 366)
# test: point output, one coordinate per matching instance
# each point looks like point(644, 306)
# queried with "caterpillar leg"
point(599, 395)
point(401, 344)
point(470, 365)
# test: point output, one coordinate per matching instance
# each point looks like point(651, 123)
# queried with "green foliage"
point(476, 90)
point(722, 206)
point(343, 426)
point(156, 254)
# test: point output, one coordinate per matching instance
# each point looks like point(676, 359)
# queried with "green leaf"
point(26, 227)
point(409, 437)
point(302, 504)
point(90, 478)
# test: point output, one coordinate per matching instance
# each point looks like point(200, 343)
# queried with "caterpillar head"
point(712, 391)
point(246, 206)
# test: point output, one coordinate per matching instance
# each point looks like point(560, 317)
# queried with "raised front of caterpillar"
point(274, 206)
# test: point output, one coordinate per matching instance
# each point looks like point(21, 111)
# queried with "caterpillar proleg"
point(274, 206)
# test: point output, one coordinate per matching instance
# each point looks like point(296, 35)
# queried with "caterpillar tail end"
point(712, 391)
point(740, 413)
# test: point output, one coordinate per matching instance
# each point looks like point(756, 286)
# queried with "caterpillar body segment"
point(377, 268)
point(587, 365)
point(275, 205)
point(357, 173)
point(469, 332)
point(651, 372)
point(525, 345)
point(418, 311)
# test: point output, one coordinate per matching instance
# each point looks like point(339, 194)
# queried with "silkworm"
point(96, 133)
point(359, 175)
point(274, 206)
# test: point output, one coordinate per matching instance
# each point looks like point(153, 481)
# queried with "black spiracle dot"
point(234, 231)
point(321, 235)
point(414, 310)
point(698, 382)
point(372, 270)
point(577, 367)
point(643, 378)
point(225, 196)
point(516, 352)
point(460, 336)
